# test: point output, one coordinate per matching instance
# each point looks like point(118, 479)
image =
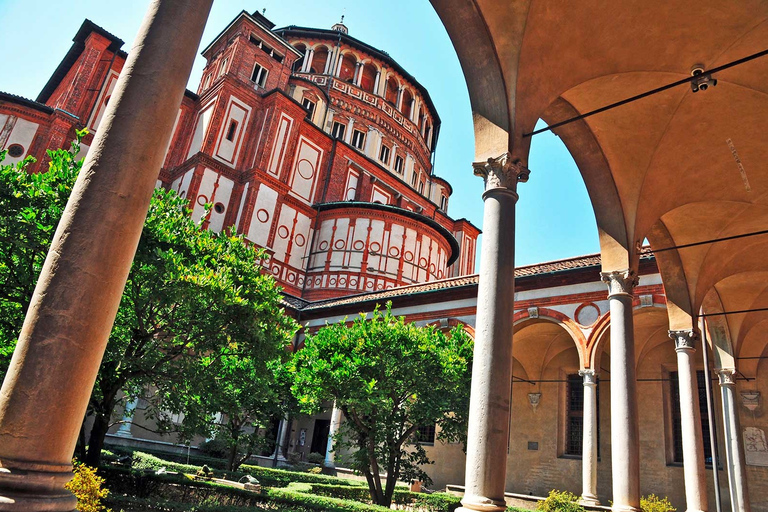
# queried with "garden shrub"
point(653, 503)
point(296, 476)
point(560, 501)
point(215, 448)
point(435, 502)
point(87, 488)
point(315, 458)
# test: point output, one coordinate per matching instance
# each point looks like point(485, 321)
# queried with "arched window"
point(407, 100)
point(390, 93)
point(368, 80)
point(300, 61)
point(348, 67)
point(319, 60)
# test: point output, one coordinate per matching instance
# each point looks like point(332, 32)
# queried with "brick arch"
point(451, 323)
point(564, 321)
point(596, 339)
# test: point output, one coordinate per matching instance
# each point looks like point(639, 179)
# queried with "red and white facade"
point(310, 143)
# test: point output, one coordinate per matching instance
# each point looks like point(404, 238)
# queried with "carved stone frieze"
point(501, 172)
point(619, 281)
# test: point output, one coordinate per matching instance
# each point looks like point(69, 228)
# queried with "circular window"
point(15, 150)
point(218, 208)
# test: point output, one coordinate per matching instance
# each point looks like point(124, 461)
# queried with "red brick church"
point(309, 142)
point(319, 148)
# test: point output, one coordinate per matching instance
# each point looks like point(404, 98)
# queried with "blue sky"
point(554, 216)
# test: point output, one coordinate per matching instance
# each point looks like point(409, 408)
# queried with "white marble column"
point(377, 83)
point(625, 435)
point(489, 408)
point(46, 390)
point(734, 448)
point(690, 420)
point(127, 420)
point(330, 456)
point(589, 442)
point(284, 428)
point(308, 61)
point(339, 63)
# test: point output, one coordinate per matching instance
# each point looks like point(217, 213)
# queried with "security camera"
point(702, 81)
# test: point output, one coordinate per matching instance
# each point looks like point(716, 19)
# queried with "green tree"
point(189, 292)
point(388, 378)
point(30, 208)
point(234, 398)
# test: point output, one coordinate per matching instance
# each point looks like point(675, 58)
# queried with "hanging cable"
point(663, 88)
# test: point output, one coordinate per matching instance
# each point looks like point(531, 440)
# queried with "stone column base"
point(28, 486)
point(624, 508)
point(589, 499)
point(481, 504)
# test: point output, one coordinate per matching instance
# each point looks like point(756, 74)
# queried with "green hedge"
point(435, 502)
point(131, 504)
point(268, 477)
point(174, 491)
point(143, 461)
point(194, 459)
point(297, 476)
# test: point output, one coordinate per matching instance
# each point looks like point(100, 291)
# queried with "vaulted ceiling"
point(677, 167)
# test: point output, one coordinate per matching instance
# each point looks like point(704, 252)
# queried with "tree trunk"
point(232, 456)
point(103, 413)
point(96, 440)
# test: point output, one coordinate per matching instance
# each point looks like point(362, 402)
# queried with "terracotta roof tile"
point(592, 260)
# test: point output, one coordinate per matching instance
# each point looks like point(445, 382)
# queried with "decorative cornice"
point(589, 376)
point(501, 173)
point(727, 376)
point(620, 282)
point(684, 340)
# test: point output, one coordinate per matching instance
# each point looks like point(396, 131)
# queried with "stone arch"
point(406, 102)
point(299, 63)
point(523, 318)
point(449, 323)
point(348, 68)
point(368, 77)
point(320, 59)
point(617, 251)
point(391, 86)
point(599, 334)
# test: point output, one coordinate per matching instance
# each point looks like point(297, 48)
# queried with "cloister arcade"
point(681, 165)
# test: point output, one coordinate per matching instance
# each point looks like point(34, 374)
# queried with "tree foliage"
point(389, 378)
point(31, 205)
point(194, 299)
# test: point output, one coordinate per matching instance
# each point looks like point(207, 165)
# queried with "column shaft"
point(489, 411)
point(589, 444)
point(734, 448)
point(690, 422)
point(330, 456)
point(52, 372)
point(625, 445)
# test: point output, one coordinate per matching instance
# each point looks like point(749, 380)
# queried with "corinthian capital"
point(620, 282)
point(684, 340)
point(501, 172)
point(727, 376)
point(589, 376)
